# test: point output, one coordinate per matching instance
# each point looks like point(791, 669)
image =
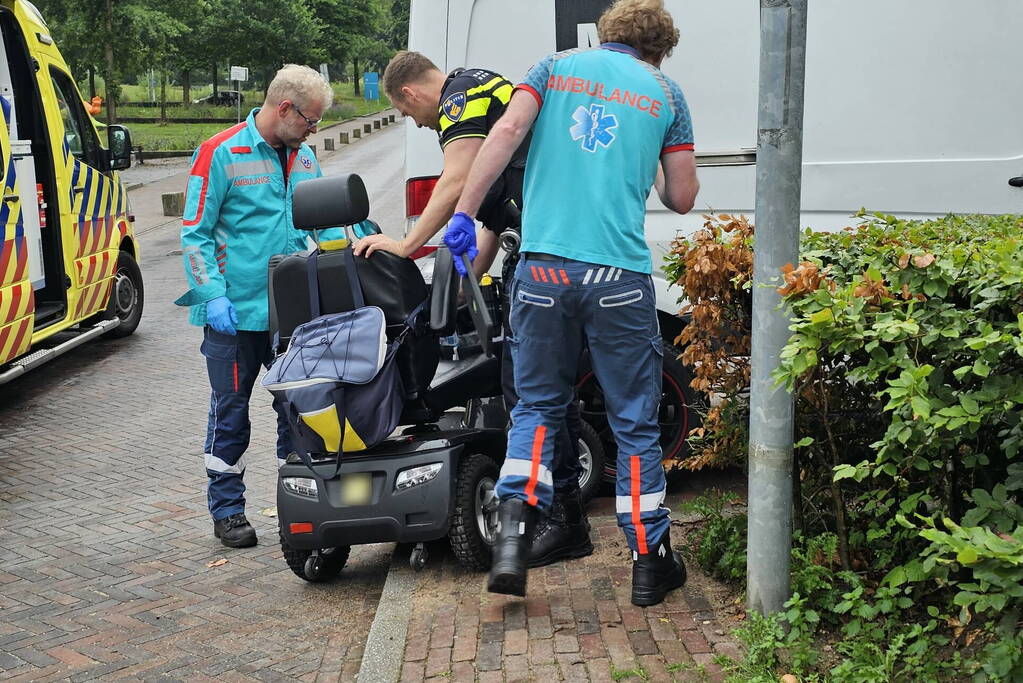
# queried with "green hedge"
point(905, 361)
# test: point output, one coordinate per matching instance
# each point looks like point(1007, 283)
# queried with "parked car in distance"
point(222, 98)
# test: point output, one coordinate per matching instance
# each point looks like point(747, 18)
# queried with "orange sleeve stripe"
point(203, 162)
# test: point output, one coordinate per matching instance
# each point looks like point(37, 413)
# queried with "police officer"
point(605, 122)
point(237, 215)
point(463, 107)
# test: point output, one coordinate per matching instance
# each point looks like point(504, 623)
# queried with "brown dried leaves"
point(805, 279)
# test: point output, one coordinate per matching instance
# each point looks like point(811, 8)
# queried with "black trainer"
point(564, 534)
point(235, 531)
point(516, 520)
point(656, 573)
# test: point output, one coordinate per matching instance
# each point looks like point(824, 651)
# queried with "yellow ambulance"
point(68, 255)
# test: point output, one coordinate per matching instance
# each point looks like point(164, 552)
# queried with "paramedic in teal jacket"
point(238, 215)
point(607, 125)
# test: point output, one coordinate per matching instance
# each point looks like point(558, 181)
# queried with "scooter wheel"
point(417, 560)
point(323, 565)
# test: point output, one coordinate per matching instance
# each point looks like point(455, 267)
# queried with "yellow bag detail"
point(325, 423)
point(334, 245)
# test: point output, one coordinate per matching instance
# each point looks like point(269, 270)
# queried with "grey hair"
point(300, 84)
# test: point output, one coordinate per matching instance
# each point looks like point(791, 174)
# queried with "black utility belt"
point(540, 256)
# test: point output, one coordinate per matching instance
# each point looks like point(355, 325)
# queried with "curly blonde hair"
point(300, 84)
point(642, 24)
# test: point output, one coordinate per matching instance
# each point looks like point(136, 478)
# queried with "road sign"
point(239, 74)
point(371, 85)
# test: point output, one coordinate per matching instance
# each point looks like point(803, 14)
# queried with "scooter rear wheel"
point(474, 523)
point(327, 565)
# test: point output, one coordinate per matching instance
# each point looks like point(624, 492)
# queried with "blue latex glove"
point(460, 238)
point(220, 315)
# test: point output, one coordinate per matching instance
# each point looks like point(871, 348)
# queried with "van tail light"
point(417, 194)
point(424, 250)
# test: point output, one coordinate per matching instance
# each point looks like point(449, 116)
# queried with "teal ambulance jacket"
point(237, 215)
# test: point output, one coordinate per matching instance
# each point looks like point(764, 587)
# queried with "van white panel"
point(911, 107)
point(716, 64)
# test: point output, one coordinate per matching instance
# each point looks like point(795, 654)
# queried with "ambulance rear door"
point(19, 248)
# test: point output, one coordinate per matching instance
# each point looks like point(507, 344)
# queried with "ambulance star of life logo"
point(593, 127)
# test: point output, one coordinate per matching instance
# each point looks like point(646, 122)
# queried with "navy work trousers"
point(555, 306)
point(233, 362)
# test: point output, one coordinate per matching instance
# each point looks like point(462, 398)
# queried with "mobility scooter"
point(436, 476)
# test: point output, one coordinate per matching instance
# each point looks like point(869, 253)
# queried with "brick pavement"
point(576, 624)
point(105, 537)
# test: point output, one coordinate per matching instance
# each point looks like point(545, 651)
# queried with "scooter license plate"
point(356, 489)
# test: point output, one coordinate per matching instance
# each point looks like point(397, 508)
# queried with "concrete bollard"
point(391, 117)
point(328, 144)
point(367, 129)
point(356, 133)
point(376, 124)
point(343, 138)
point(173, 203)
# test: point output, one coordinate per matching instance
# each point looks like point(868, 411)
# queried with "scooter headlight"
point(301, 486)
point(414, 476)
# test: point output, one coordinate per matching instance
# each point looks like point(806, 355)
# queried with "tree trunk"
point(355, 75)
point(214, 72)
point(841, 530)
point(108, 77)
point(92, 82)
point(163, 95)
point(186, 86)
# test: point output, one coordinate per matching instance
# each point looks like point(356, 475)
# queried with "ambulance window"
point(78, 134)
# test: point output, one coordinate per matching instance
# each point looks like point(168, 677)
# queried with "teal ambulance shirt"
point(237, 215)
point(605, 117)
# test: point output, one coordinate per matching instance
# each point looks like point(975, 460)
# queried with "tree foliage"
point(123, 38)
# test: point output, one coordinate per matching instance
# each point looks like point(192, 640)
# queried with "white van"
point(911, 107)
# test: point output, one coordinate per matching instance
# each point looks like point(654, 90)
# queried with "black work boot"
point(563, 534)
point(516, 520)
point(657, 572)
point(235, 531)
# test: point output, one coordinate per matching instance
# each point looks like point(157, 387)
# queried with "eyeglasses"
point(310, 123)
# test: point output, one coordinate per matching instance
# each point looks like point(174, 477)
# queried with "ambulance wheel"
point(591, 458)
point(126, 297)
point(315, 566)
point(474, 523)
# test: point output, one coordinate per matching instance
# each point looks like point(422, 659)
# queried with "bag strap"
point(353, 278)
point(314, 285)
point(410, 321)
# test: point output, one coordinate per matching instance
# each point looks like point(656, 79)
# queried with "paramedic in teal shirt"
point(607, 126)
point(238, 215)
